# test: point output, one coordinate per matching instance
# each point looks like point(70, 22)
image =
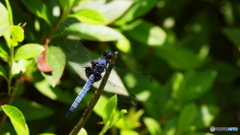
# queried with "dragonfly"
point(86, 70)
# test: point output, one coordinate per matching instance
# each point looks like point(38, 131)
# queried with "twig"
point(95, 98)
point(12, 95)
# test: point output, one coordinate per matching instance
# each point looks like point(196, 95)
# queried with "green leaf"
point(146, 33)
point(111, 10)
point(38, 8)
point(110, 108)
point(139, 8)
point(67, 4)
point(179, 58)
point(131, 121)
point(192, 85)
point(233, 34)
point(3, 30)
point(17, 119)
point(33, 110)
point(4, 21)
point(186, 118)
point(82, 132)
point(95, 32)
point(47, 134)
point(152, 125)
point(20, 65)
point(128, 132)
point(57, 62)
point(53, 93)
point(4, 51)
point(205, 116)
point(89, 16)
point(2, 72)
point(9, 12)
point(124, 45)
point(110, 114)
point(98, 109)
point(17, 35)
point(28, 51)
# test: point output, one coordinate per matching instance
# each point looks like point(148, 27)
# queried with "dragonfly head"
point(107, 55)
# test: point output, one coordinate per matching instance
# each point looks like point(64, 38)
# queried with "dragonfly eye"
point(107, 55)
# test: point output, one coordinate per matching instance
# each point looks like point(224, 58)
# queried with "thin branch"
point(12, 95)
point(95, 98)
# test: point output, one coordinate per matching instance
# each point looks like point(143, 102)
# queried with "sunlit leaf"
point(89, 16)
point(28, 51)
point(152, 125)
point(95, 32)
point(186, 118)
point(17, 35)
point(2, 72)
point(17, 119)
point(38, 8)
point(139, 8)
point(124, 45)
point(111, 10)
point(57, 63)
point(146, 33)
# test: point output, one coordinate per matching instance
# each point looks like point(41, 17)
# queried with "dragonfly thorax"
point(98, 66)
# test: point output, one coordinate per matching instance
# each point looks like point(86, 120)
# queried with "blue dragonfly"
point(86, 70)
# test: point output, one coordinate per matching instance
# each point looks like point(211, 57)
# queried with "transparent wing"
point(75, 48)
point(78, 58)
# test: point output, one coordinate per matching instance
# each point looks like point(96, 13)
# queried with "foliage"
point(189, 48)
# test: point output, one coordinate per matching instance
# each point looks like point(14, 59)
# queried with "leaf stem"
point(95, 98)
point(13, 93)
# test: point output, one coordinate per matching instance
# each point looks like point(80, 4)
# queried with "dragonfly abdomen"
point(82, 93)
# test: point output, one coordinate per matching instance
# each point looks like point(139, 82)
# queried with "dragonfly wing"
point(115, 86)
point(74, 46)
point(74, 68)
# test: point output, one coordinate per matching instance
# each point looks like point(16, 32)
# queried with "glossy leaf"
point(17, 35)
point(53, 93)
point(233, 35)
point(95, 32)
point(82, 132)
point(192, 85)
point(4, 15)
point(9, 12)
point(38, 8)
point(2, 72)
point(20, 65)
point(89, 16)
point(186, 118)
point(111, 10)
point(17, 119)
point(5, 22)
point(47, 134)
point(110, 114)
point(67, 4)
point(152, 126)
point(205, 116)
point(179, 58)
point(3, 29)
point(146, 33)
point(124, 45)
point(28, 51)
point(34, 110)
point(139, 8)
point(57, 64)
point(110, 108)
